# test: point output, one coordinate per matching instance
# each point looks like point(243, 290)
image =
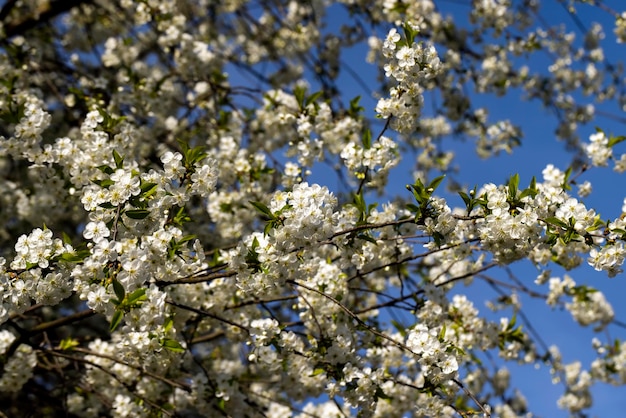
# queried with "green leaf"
point(106, 170)
point(12, 115)
point(366, 139)
point(367, 237)
point(413, 208)
point(104, 183)
point(258, 173)
point(317, 372)
point(68, 343)
point(435, 183)
point(66, 238)
point(614, 140)
point(419, 192)
point(180, 216)
point(581, 293)
point(262, 209)
point(465, 198)
point(399, 327)
point(175, 247)
point(187, 238)
point(299, 92)
point(597, 223)
point(513, 186)
point(381, 395)
point(363, 208)
point(191, 156)
point(138, 202)
point(531, 190)
point(168, 324)
point(118, 288)
point(556, 222)
point(442, 333)
point(117, 318)
point(252, 257)
point(74, 257)
point(409, 34)
point(137, 213)
point(138, 295)
point(359, 202)
point(148, 188)
point(119, 160)
point(568, 173)
point(172, 345)
point(226, 207)
point(456, 350)
point(470, 200)
point(422, 195)
point(355, 107)
point(313, 97)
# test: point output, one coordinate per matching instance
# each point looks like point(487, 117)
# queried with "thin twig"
point(206, 313)
point(471, 395)
point(165, 380)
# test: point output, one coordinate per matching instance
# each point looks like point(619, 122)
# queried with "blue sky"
point(539, 147)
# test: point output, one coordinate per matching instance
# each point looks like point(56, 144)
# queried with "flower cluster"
point(18, 369)
point(26, 140)
point(36, 249)
point(492, 13)
point(380, 158)
point(298, 219)
point(436, 358)
point(620, 27)
point(598, 150)
point(34, 253)
point(411, 65)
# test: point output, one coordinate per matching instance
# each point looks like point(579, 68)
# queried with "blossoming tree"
point(166, 253)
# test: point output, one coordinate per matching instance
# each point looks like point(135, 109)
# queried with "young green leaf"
point(116, 320)
point(435, 183)
point(614, 140)
point(299, 92)
point(137, 213)
point(366, 139)
point(168, 324)
point(556, 222)
point(118, 288)
point(313, 97)
point(119, 160)
point(137, 296)
point(513, 186)
point(148, 188)
point(172, 345)
point(68, 343)
point(262, 209)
